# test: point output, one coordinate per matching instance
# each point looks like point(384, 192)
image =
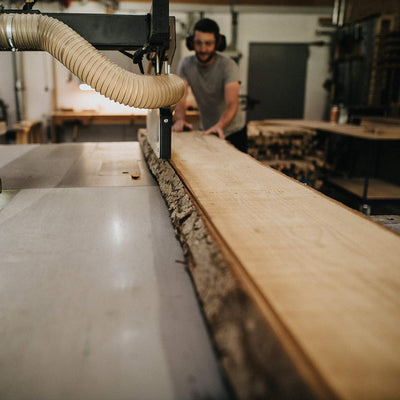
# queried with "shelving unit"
point(366, 188)
point(377, 188)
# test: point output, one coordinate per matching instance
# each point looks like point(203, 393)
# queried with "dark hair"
point(208, 26)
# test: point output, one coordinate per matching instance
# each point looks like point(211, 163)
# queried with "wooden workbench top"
point(87, 117)
point(326, 278)
point(370, 132)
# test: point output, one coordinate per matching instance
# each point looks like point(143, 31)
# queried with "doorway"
point(276, 80)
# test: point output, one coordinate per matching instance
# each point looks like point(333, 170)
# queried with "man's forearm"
point(180, 110)
point(228, 115)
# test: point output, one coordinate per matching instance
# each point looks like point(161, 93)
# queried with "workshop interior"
point(137, 262)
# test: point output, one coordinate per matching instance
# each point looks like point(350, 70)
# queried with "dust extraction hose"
point(40, 32)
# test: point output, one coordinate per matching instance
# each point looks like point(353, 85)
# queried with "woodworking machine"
point(151, 35)
point(77, 226)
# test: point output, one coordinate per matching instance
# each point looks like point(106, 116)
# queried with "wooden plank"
point(326, 278)
point(297, 3)
point(253, 358)
point(264, 128)
point(376, 132)
point(377, 189)
point(380, 120)
point(92, 117)
point(3, 128)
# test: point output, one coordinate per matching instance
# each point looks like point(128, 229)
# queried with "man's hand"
point(181, 125)
point(215, 130)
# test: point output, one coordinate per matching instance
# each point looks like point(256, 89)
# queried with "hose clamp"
point(9, 33)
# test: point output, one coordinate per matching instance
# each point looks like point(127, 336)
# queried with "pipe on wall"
point(40, 32)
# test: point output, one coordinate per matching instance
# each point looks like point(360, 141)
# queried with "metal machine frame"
point(153, 33)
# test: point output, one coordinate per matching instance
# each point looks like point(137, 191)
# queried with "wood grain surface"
point(3, 128)
point(370, 132)
point(326, 278)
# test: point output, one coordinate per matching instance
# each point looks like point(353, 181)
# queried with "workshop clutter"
point(291, 150)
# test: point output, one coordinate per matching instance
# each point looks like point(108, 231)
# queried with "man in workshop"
point(214, 80)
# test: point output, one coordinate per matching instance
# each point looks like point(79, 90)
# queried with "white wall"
point(38, 85)
point(271, 25)
point(70, 96)
point(7, 85)
point(256, 24)
point(289, 28)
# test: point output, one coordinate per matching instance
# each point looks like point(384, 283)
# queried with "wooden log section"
point(301, 293)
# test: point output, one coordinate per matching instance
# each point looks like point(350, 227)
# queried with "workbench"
point(374, 132)
point(92, 117)
point(95, 301)
point(366, 188)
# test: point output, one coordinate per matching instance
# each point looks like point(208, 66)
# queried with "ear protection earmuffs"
point(220, 46)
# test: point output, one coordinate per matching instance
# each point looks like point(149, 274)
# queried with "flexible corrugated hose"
point(40, 32)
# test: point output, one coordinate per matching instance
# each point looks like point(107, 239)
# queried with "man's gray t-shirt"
point(208, 87)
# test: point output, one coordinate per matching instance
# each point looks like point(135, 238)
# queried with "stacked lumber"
point(289, 149)
point(300, 292)
point(278, 142)
point(302, 170)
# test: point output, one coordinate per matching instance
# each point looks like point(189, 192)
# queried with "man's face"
point(204, 46)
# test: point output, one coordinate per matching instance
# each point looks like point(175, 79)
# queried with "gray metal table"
point(95, 299)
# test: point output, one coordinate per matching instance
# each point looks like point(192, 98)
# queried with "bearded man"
point(214, 80)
